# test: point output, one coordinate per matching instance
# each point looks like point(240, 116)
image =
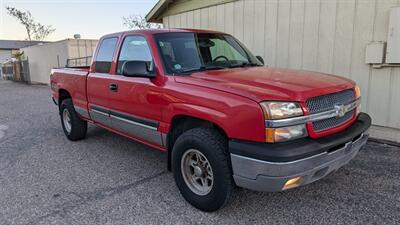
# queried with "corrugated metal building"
point(328, 36)
point(42, 58)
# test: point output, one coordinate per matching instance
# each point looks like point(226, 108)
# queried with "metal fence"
point(16, 70)
point(79, 62)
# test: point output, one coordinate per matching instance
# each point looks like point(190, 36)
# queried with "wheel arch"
point(63, 94)
point(181, 123)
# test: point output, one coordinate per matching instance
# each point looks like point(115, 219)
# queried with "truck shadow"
point(353, 194)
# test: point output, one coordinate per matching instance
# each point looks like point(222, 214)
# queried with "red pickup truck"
point(223, 118)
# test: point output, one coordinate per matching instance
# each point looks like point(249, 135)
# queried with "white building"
point(329, 36)
point(42, 58)
point(9, 47)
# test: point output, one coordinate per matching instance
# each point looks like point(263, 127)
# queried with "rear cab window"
point(105, 55)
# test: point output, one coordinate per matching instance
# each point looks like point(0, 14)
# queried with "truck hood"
point(261, 83)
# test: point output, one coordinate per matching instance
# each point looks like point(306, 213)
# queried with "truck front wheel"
point(74, 127)
point(200, 164)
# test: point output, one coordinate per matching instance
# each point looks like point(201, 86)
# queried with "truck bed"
point(73, 68)
point(74, 80)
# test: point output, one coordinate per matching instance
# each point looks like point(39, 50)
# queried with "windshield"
point(183, 53)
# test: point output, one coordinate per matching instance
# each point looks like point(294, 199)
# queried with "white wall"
point(321, 35)
point(42, 58)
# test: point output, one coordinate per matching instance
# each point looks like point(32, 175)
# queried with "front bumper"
point(267, 167)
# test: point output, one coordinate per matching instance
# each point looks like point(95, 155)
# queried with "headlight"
point(281, 110)
point(285, 133)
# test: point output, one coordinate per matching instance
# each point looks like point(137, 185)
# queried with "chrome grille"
point(328, 102)
point(332, 122)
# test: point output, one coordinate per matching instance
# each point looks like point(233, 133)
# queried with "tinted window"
point(105, 55)
point(184, 53)
point(134, 48)
point(179, 51)
point(226, 49)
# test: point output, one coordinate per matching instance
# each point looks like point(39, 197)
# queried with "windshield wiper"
point(202, 68)
point(243, 64)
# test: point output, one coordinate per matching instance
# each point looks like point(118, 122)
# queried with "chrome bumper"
point(261, 175)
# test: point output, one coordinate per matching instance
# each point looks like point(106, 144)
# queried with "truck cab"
point(223, 118)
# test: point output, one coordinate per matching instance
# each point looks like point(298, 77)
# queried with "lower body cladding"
point(135, 126)
point(281, 166)
point(146, 130)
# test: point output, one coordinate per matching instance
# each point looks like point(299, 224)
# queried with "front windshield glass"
point(184, 53)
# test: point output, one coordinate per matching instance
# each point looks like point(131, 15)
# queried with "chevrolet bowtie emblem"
point(340, 110)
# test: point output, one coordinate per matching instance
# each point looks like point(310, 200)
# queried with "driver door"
point(134, 109)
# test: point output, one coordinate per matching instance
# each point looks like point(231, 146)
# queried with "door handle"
point(113, 87)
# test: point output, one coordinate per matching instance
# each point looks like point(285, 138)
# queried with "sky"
point(89, 18)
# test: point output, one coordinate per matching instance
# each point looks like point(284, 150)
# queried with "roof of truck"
point(163, 30)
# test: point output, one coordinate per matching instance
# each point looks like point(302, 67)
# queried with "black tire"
point(78, 127)
point(214, 146)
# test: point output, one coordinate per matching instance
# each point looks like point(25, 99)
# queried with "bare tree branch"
point(139, 22)
point(35, 31)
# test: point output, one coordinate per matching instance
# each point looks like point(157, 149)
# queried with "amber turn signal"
point(281, 134)
point(358, 91)
point(294, 182)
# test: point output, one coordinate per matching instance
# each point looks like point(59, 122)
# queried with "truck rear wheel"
point(74, 127)
point(200, 164)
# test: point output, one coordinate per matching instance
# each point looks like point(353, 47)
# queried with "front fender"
point(243, 122)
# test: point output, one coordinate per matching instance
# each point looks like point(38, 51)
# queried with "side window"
point(105, 55)
point(134, 48)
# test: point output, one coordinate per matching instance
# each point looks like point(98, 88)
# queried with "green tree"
point(138, 22)
point(35, 31)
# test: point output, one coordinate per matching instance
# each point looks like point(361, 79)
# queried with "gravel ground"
point(108, 179)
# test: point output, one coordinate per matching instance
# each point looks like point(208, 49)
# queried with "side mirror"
point(137, 69)
point(260, 59)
